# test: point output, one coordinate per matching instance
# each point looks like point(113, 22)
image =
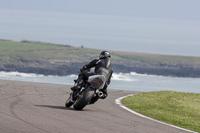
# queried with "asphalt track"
point(27, 107)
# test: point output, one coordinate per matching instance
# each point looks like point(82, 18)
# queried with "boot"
point(79, 84)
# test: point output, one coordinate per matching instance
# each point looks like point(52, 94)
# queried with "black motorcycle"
point(91, 90)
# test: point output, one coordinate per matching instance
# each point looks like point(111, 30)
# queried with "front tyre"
point(69, 103)
point(84, 99)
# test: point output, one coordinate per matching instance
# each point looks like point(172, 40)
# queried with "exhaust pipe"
point(100, 94)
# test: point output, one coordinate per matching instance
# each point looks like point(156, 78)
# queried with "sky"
point(148, 26)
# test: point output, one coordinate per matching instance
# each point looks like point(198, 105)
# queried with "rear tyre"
point(84, 99)
point(69, 103)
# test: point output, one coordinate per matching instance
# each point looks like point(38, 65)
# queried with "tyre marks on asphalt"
point(38, 107)
point(15, 100)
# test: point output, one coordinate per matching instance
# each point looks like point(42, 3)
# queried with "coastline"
point(68, 68)
point(61, 60)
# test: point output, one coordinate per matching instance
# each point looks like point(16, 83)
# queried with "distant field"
point(156, 58)
point(10, 51)
point(27, 50)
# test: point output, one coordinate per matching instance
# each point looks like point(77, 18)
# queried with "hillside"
point(58, 59)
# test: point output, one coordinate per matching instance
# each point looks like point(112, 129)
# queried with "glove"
point(108, 83)
point(83, 69)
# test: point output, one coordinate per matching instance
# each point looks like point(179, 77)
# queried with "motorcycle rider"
point(102, 67)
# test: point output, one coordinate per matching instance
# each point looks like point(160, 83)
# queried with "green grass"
point(157, 58)
point(13, 51)
point(177, 108)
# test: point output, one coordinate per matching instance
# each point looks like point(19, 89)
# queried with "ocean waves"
point(121, 81)
point(18, 74)
point(116, 76)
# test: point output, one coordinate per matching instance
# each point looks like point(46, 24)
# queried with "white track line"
point(118, 102)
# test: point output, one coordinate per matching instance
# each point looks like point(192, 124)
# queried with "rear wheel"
point(84, 99)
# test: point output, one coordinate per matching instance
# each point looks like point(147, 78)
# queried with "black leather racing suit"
point(102, 67)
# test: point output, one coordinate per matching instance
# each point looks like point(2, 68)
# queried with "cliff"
point(66, 68)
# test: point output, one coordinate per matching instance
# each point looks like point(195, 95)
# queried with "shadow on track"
point(61, 107)
point(55, 107)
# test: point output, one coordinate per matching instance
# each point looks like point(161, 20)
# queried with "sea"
point(121, 81)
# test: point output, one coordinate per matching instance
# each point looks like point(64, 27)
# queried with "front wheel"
point(84, 99)
point(69, 103)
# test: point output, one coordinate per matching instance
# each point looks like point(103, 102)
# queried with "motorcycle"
point(91, 90)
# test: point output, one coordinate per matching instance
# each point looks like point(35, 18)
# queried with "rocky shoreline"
point(67, 68)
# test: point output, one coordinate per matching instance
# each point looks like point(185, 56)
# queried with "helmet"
point(104, 54)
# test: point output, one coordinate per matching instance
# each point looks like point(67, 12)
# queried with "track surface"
point(27, 107)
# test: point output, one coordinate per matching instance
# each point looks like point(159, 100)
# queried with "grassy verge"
point(176, 108)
